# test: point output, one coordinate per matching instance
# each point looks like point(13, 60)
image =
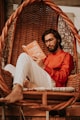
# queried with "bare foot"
point(15, 95)
point(28, 84)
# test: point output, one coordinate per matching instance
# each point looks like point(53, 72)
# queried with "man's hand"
point(38, 61)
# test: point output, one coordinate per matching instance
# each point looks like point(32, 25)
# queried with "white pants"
point(26, 67)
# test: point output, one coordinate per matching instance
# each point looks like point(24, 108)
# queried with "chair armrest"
point(74, 81)
point(6, 81)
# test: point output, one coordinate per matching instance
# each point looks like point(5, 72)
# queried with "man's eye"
point(48, 40)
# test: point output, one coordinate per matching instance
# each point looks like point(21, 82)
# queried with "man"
point(50, 72)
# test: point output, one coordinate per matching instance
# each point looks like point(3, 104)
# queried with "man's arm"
point(60, 75)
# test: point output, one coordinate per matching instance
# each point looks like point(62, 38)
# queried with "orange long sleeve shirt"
point(59, 65)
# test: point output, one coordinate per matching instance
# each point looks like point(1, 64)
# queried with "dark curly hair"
point(56, 35)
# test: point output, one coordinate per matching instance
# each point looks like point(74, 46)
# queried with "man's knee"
point(23, 54)
point(24, 57)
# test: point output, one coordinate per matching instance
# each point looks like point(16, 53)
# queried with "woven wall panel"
point(67, 39)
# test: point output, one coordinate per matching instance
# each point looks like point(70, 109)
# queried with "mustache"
point(50, 45)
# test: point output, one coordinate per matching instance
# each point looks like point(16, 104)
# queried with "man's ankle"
point(17, 86)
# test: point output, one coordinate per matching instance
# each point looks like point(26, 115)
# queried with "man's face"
point(51, 42)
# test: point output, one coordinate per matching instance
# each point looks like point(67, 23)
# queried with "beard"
point(54, 48)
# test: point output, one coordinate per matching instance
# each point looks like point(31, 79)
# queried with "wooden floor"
point(40, 118)
point(16, 113)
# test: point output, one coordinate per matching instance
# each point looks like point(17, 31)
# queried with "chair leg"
point(3, 113)
point(47, 115)
point(22, 117)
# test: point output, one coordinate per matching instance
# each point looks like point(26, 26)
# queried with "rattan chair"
point(26, 24)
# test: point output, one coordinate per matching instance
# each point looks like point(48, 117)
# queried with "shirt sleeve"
point(60, 75)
